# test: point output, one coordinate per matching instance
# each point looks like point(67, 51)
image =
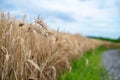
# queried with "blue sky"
point(87, 17)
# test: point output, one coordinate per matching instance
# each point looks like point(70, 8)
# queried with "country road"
point(111, 61)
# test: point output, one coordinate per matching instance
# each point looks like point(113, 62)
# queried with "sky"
point(99, 18)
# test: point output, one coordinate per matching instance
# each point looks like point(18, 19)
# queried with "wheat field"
point(31, 51)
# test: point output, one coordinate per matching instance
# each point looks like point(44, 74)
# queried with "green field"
point(107, 39)
point(87, 67)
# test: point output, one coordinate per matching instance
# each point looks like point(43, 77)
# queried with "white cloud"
point(89, 15)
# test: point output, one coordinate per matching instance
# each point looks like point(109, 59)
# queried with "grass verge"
point(87, 67)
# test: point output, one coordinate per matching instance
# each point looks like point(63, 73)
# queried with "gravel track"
point(111, 61)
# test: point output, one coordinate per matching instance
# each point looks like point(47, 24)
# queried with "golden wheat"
point(33, 52)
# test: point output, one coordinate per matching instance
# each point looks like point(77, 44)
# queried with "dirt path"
point(111, 61)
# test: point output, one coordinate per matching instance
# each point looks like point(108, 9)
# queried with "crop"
point(31, 51)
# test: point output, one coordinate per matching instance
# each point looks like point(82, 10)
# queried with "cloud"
point(75, 16)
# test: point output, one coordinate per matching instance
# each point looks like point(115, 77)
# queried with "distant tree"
point(119, 38)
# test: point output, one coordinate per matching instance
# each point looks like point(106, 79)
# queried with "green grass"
point(88, 67)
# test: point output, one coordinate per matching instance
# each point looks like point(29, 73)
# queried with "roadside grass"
point(87, 67)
